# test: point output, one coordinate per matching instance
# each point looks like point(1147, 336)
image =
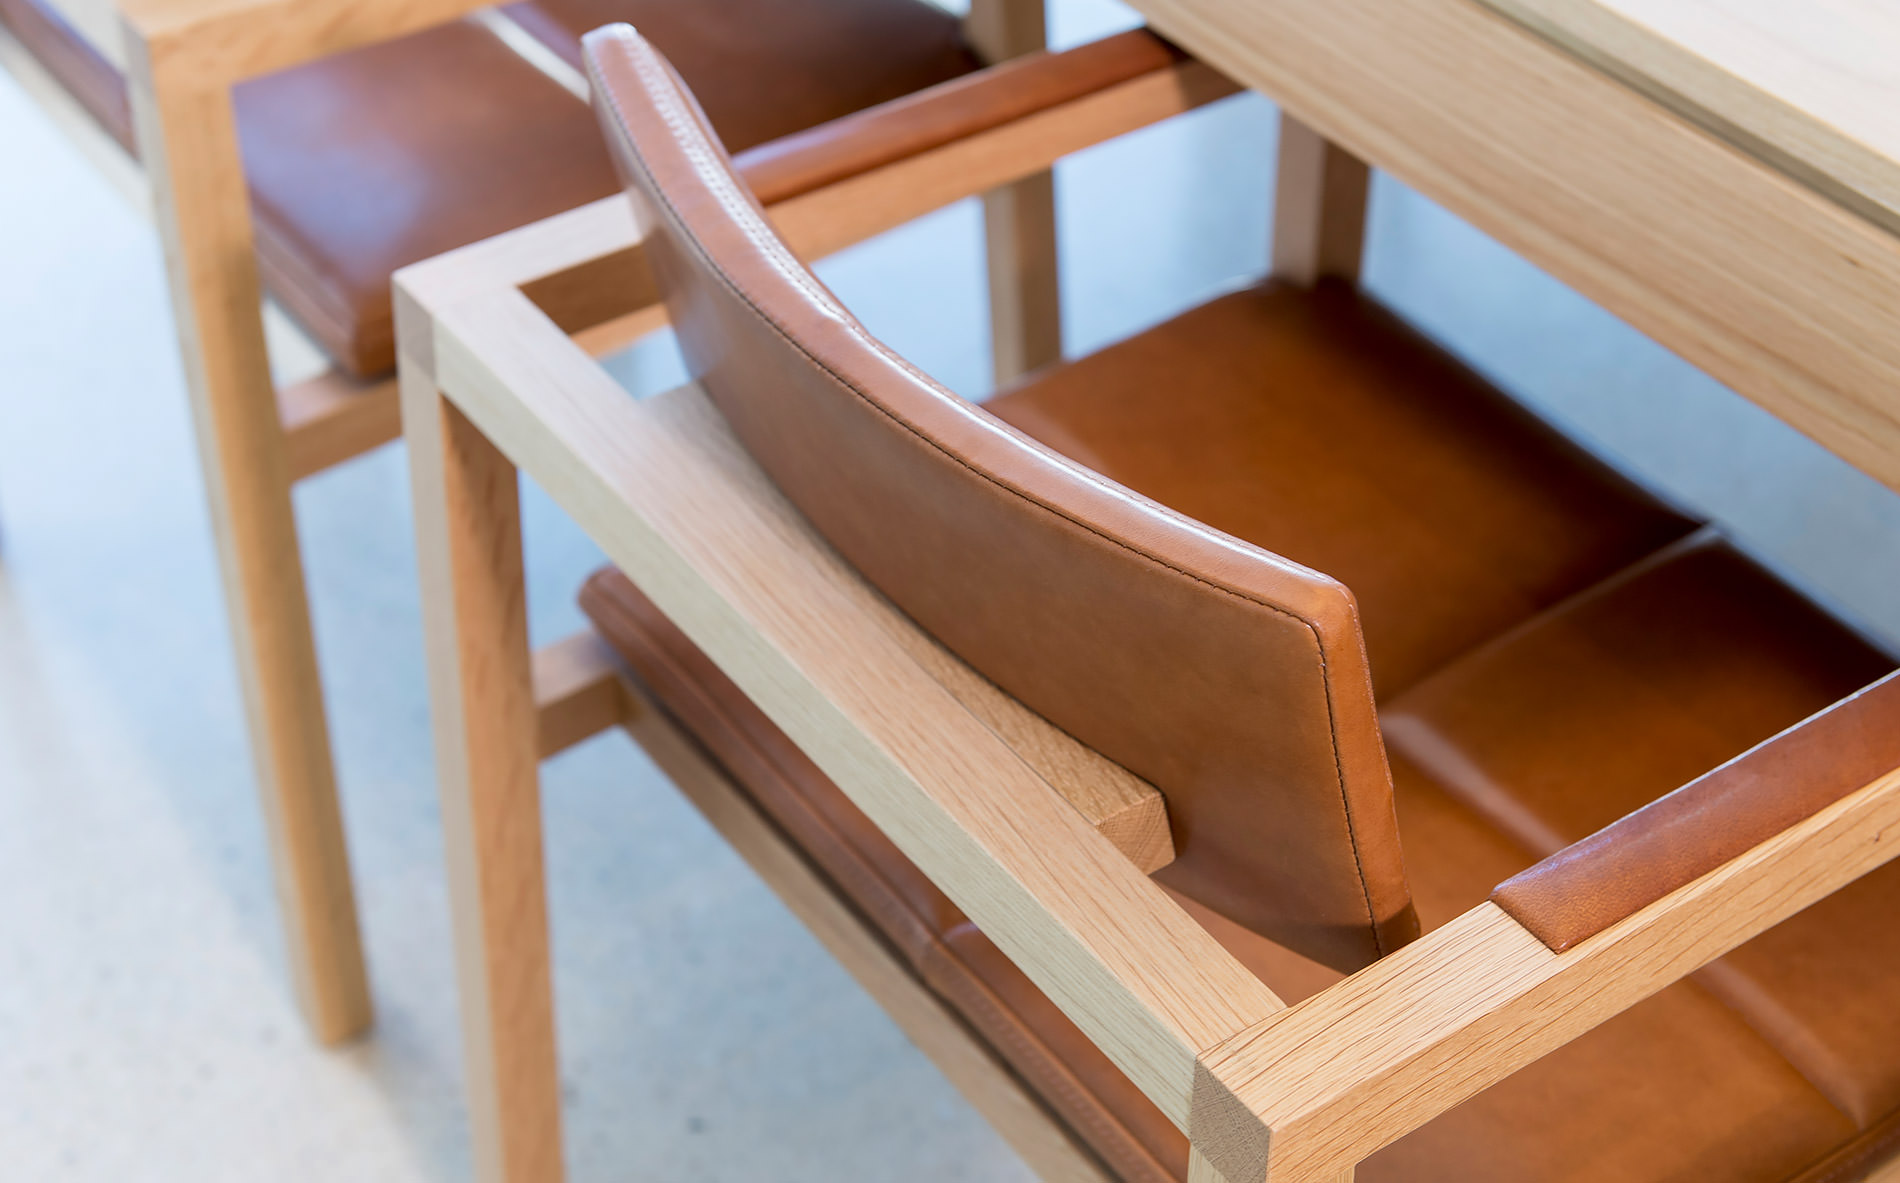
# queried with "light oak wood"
point(989, 1085)
point(1019, 220)
point(1329, 1081)
point(187, 140)
point(579, 692)
point(333, 417)
point(1319, 207)
point(488, 743)
point(1767, 285)
point(221, 42)
point(1809, 87)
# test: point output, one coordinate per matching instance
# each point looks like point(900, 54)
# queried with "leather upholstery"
point(1545, 685)
point(1676, 839)
point(1138, 631)
point(363, 163)
point(767, 68)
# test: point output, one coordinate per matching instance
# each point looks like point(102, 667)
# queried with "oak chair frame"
point(257, 440)
point(494, 385)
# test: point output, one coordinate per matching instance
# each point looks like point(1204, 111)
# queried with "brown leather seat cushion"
point(366, 162)
point(1327, 431)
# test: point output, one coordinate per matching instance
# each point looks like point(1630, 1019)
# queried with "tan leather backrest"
point(1232, 679)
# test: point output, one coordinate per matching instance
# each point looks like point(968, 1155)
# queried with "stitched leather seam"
point(689, 136)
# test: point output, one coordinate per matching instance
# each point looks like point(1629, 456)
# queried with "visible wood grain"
point(188, 142)
point(996, 1092)
point(1319, 207)
point(1810, 87)
point(1767, 285)
point(332, 417)
point(579, 692)
point(707, 537)
point(1327, 1082)
point(482, 703)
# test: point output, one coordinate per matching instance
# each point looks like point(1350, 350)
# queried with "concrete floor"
point(146, 1031)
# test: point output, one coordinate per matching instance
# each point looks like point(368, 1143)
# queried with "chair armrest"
point(914, 124)
point(1623, 868)
point(1314, 1089)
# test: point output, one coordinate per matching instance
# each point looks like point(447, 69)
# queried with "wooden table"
point(1723, 174)
point(1750, 263)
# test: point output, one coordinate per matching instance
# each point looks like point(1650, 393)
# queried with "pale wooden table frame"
point(182, 58)
point(492, 385)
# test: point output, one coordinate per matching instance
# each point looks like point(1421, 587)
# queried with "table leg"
point(481, 691)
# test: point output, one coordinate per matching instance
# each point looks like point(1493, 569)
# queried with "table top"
point(1812, 86)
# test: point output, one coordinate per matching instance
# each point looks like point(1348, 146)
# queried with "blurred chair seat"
point(365, 162)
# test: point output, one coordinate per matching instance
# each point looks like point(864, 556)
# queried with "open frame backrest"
point(1233, 680)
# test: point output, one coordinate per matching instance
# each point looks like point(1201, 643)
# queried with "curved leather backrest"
point(1233, 680)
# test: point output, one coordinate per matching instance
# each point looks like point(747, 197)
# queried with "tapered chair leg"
point(188, 141)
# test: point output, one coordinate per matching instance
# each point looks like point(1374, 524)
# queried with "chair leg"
point(481, 691)
point(188, 140)
point(1019, 220)
point(1319, 207)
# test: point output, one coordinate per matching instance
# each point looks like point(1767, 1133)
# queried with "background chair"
point(1547, 651)
point(305, 156)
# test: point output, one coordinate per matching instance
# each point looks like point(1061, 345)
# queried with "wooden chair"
point(1589, 807)
point(375, 136)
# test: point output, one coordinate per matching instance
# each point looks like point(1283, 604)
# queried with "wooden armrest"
point(963, 107)
point(1623, 868)
point(1314, 1089)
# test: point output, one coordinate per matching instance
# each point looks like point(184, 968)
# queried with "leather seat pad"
point(1317, 425)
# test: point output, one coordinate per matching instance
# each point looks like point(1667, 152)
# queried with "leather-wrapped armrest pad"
point(910, 126)
point(1622, 868)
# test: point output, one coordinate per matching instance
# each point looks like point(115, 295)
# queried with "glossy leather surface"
point(1619, 661)
point(1333, 434)
point(1158, 642)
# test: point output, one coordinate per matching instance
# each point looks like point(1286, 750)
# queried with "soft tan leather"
point(916, 123)
point(767, 68)
point(1337, 436)
point(74, 63)
point(1635, 861)
point(369, 161)
point(1162, 644)
point(1626, 692)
